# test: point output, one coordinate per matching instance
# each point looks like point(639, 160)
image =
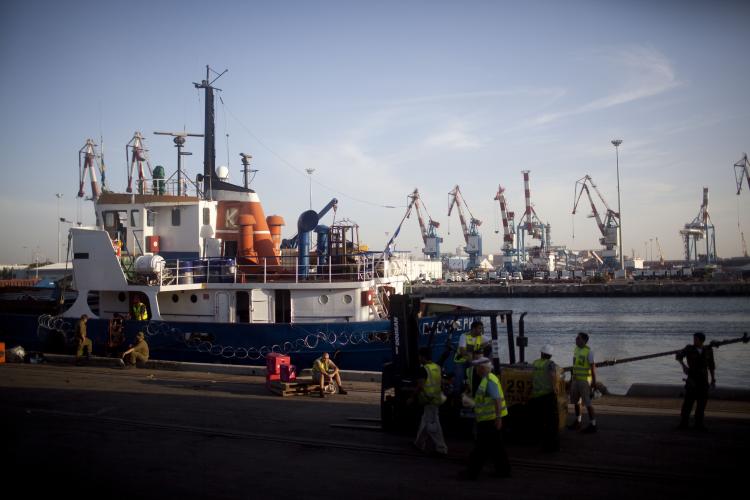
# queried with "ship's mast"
point(209, 146)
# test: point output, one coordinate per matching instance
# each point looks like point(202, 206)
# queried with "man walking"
point(429, 394)
point(700, 361)
point(582, 382)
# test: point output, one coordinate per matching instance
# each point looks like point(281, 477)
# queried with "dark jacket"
point(699, 362)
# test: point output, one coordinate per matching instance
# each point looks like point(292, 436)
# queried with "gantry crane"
point(471, 232)
point(531, 225)
point(429, 232)
point(608, 227)
point(86, 158)
point(701, 227)
point(509, 229)
point(661, 254)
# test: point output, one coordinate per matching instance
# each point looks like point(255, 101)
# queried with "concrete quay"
point(611, 289)
point(148, 433)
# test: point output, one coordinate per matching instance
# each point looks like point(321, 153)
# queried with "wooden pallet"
point(300, 387)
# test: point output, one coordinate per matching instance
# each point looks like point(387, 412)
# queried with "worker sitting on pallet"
point(324, 371)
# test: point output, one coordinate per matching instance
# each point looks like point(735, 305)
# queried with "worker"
point(81, 341)
point(475, 341)
point(140, 313)
point(489, 409)
point(429, 393)
point(583, 382)
point(700, 362)
point(543, 402)
point(324, 371)
point(138, 353)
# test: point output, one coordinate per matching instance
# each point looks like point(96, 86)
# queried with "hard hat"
point(548, 349)
point(481, 361)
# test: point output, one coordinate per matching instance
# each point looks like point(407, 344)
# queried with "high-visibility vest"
point(140, 312)
point(541, 382)
point(320, 365)
point(484, 405)
point(470, 377)
point(472, 345)
point(433, 385)
point(581, 365)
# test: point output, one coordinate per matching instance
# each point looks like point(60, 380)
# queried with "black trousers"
point(695, 393)
point(488, 444)
point(546, 420)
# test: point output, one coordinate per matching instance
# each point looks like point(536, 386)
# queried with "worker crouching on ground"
point(700, 361)
point(324, 371)
point(429, 394)
point(582, 382)
point(138, 353)
point(489, 409)
point(543, 402)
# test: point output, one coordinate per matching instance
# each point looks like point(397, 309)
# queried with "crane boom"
point(582, 182)
point(457, 201)
point(508, 235)
point(742, 169)
point(86, 159)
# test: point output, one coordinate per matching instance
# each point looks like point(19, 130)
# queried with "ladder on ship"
point(378, 305)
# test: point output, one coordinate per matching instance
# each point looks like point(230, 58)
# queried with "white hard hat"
point(481, 361)
point(548, 349)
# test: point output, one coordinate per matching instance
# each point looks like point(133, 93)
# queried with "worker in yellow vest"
point(582, 382)
point(543, 402)
point(324, 371)
point(140, 313)
point(429, 393)
point(489, 409)
point(468, 344)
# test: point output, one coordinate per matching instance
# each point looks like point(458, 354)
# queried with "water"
point(625, 327)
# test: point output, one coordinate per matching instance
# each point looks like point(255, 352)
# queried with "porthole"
point(121, 296)
point(175, 297)
point(347, 299)
point(323, 299)
point(193, 298)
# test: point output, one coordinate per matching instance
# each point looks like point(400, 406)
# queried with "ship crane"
point(508, 228)
point(86, 158)
point(700, 228)
point(742, 169)
point(608, 227)
point(532, 225)
point(471, 233)
point(135, 156)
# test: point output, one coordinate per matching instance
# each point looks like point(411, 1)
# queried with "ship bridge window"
point(150, 216)
point(175, 216)
point(206, 216)
point(135, 218)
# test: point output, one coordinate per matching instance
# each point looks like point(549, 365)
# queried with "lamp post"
point(616, 143)
point(58, 195)
point(309, 174)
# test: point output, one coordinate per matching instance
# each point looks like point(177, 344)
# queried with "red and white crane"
point(608, 227)
point(429, 232)
point(135, 156)
point(87, 157)
point(508, 220)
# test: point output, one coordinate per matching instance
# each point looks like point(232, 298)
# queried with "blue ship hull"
point(353, 346)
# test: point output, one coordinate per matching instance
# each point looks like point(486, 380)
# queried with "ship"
point(218, 282)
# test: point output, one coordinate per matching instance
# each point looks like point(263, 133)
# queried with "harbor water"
point(626, 327)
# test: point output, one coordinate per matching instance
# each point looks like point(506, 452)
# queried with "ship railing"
point(268, 270)
point(166, 187)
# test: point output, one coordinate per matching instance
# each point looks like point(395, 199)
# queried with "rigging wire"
point(299, 171)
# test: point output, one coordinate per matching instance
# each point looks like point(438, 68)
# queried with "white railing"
point(224, 270)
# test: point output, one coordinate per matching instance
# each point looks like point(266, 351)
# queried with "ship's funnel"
point(306, 223)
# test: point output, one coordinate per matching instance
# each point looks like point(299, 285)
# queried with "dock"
point(107, 432)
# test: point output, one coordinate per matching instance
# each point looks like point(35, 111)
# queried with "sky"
point(384, 97)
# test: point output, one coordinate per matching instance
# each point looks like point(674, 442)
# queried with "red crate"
point(274, 362)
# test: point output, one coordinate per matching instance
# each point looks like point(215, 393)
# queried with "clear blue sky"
point(383, 97)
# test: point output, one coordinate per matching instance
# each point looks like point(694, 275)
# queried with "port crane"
point(608, 226)
point(87, 157)
point(531, 225)
point(471, 232)
point(742, 169)
point(509, 229)
point(700, 228)
point(661, 254)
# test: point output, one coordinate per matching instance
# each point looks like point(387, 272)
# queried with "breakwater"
point(613, 289)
